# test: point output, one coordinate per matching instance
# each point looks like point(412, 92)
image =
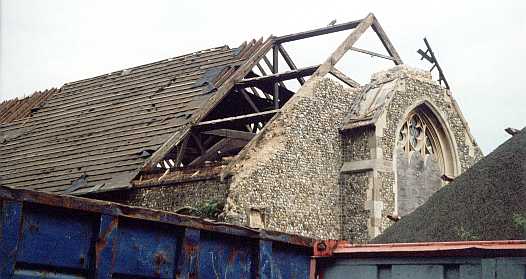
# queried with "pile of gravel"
point(487, 202)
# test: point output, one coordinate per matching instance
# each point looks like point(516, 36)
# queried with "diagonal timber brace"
point(252, 55)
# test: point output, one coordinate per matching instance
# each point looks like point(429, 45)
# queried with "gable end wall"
point(291, 172)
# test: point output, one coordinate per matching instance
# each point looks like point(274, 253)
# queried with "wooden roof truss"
point(253, 92)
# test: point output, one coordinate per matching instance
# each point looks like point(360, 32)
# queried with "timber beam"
point(329, 63)
point(343, 78)
point(247, 118)
point(232, 134)
point(377, 28)
point(222, 146)
point(372, 53)
point(288, 75)
point(289, 62)
point(317, 32)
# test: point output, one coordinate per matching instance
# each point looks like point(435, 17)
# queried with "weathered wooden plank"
point(253, 45)
point(229, 83)
point(372, 53)
point(222, 91)
point(344, 78)
point(226, 144)
point(269, 65)
point(275, 70)
point(248, 99)
point(288, 75)
point(246, 117)
point(386, 42)
point(318, 32)
point(181, 151)
point(233, 134)
point(344, 46)
point(198, 141)
point(167, 147)
point(289, 62)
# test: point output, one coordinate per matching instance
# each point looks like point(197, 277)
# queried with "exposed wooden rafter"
point(225, 144)
point(260, 49)
point(288, 75)
point(385, 41)
point(275, 70)
point(269, 65)
point(247, 118)
point(248, 99)
point(289, 62)
point(345, 79)
point(372, 53)
point(317, 32)
point(181, 151)
point(344, 46)
point(271, 84)
point(233, 134)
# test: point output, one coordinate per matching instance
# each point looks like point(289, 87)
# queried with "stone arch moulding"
point(421, 133)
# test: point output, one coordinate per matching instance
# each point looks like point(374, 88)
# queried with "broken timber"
point(433, 60)
point(345, 79)
point(247, 118)
point(225, 144)
point(317, 32)
point(290, 63)
point(233, 134)
point(288, 75)
point(271, 86)
point(372, 53)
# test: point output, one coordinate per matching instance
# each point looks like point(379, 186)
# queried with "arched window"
point(424, 153)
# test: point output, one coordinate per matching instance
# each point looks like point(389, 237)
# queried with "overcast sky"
point(479, 44)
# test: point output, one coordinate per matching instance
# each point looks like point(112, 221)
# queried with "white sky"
point(479, 44)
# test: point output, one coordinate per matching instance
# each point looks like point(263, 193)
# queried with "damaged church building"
point(219, 131)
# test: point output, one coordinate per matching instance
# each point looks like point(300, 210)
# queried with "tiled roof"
point(92, 133)
point(12, 110)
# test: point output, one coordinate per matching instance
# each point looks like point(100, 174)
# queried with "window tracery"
point(417, 135)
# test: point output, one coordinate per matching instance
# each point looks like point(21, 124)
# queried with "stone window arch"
point(424, 152)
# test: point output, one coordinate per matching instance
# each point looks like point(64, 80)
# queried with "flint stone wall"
point(174, 196)
point(291, 172)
